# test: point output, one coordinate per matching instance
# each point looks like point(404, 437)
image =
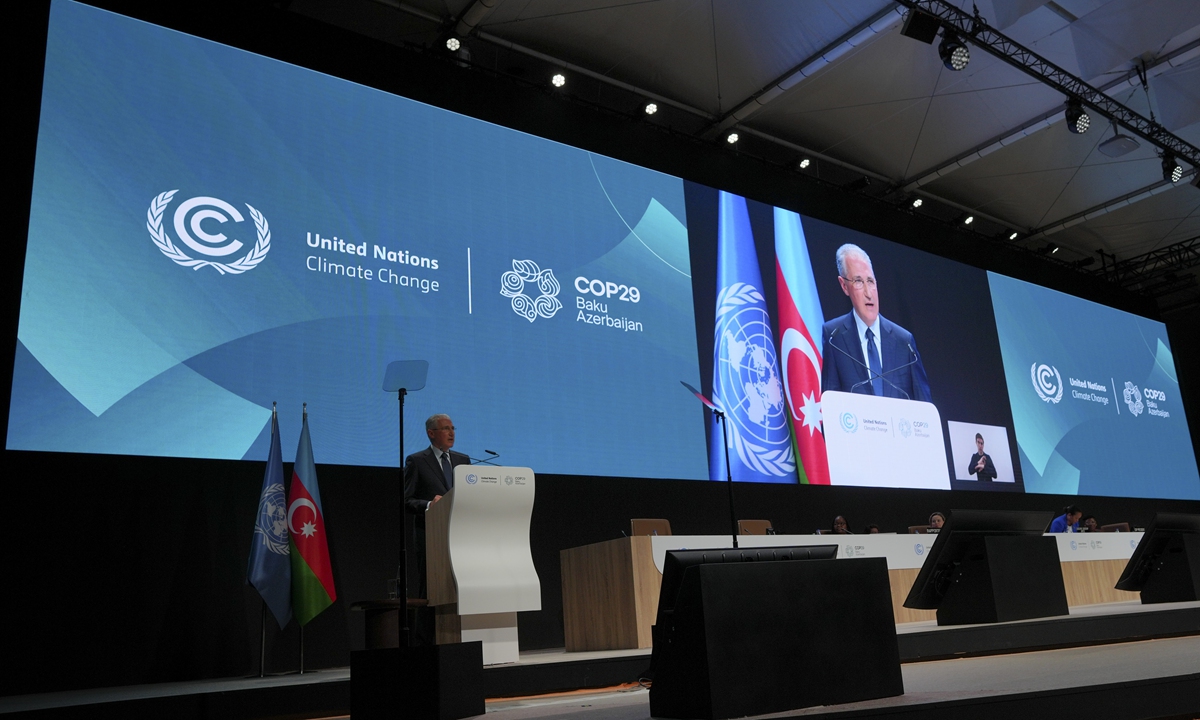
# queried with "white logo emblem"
point(272, 523)
point(751, 395)
point(188, 217)
point(1133, 398)
point(512, 285)
point(1047, 382)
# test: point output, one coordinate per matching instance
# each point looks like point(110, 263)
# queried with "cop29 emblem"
point(1047, 382)
point(1133, 399)
point(210, 249)
point(527, 273)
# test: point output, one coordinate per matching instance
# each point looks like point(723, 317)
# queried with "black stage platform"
point(1113, 634)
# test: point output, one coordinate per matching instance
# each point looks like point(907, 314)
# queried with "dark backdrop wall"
point(123, 570)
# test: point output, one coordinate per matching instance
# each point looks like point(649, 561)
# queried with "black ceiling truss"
point(1159, 268)
point(976, 30)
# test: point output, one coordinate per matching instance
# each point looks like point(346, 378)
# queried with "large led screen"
point(213, 231)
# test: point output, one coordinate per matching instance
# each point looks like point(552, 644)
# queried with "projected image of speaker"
point(1165, 566)
point(763, 630)
point(991, 566)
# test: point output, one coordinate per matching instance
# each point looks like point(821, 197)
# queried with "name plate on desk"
point(884, 442)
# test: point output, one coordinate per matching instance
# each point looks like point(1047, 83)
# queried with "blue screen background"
point(121, 350)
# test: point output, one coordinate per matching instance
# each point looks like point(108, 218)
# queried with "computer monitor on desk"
point(990, 566)
point(1165, 566)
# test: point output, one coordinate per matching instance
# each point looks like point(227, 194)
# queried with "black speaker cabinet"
point(1003, 578)
point(750, 638)
point(434, 682)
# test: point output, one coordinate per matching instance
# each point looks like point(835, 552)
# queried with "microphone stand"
point(728, 472)
point(728, 478)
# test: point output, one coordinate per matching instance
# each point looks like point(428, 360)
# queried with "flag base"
point(438, 682)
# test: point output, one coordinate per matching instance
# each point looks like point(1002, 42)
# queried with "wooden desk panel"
point(610, 592)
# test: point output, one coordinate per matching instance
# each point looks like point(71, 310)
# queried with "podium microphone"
point(485, 461)
point(868, 369)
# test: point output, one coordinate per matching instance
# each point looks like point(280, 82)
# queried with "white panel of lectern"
point(489, 540)
point(884, 442)
point(479, 561)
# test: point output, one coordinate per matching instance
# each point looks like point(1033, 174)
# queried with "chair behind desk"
point(650, 526)
point(1115, 527)
point(755, 527)
point(918, 529)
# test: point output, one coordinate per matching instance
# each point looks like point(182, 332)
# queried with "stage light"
point(1012, 237)
point(918, 203)
point(558, 80)
point(650, 108)
point(1172, 170)
point(1077, 120)
point(453, 44)
point(731, 138)
point(970, 219)
point(954, 52)
point(804, 163)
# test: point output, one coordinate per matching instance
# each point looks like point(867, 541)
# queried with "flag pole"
point(262, 640)
point(304, 418)
point(262, 615)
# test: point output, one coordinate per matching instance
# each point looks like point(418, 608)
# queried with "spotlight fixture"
point(558, 80)
point(954, 52)
point(1172, 170)
point(453, 44)
point(650, 108)
point(1077, 120)
point(1054, 250)
point(1012, 237)
point(804, 163)
point(731, 138)
point(918, 203)
point(970, 219)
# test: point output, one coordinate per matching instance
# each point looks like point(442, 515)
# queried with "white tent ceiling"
point(838, 79)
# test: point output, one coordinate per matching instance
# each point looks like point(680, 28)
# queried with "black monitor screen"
point(962, 534)
point(677, 561)
point(1164, 535)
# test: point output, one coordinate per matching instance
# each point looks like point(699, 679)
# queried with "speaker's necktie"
point(873, 362)
point(447, 470)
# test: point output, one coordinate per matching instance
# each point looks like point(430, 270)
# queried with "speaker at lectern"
point(478, 562)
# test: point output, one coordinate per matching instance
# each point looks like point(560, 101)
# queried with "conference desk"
point(610, 589)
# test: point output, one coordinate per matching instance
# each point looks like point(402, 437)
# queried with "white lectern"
point(479, 565)
point(884, 442)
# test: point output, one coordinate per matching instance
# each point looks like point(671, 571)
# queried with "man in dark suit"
point(862, 351)
point(428, 475)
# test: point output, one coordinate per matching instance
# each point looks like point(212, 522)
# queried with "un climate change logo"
point(1047, 382)
point(187, 219)
point(1133, 399)
point(512, 285)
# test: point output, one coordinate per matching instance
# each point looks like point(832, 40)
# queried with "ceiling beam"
point(976, 30)
point(1130, 80)
point(1106, 207)
point(1154, 264)
point(858, 36)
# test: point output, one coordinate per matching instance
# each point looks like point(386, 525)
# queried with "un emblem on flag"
point(751, 392)
point(271, 524)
